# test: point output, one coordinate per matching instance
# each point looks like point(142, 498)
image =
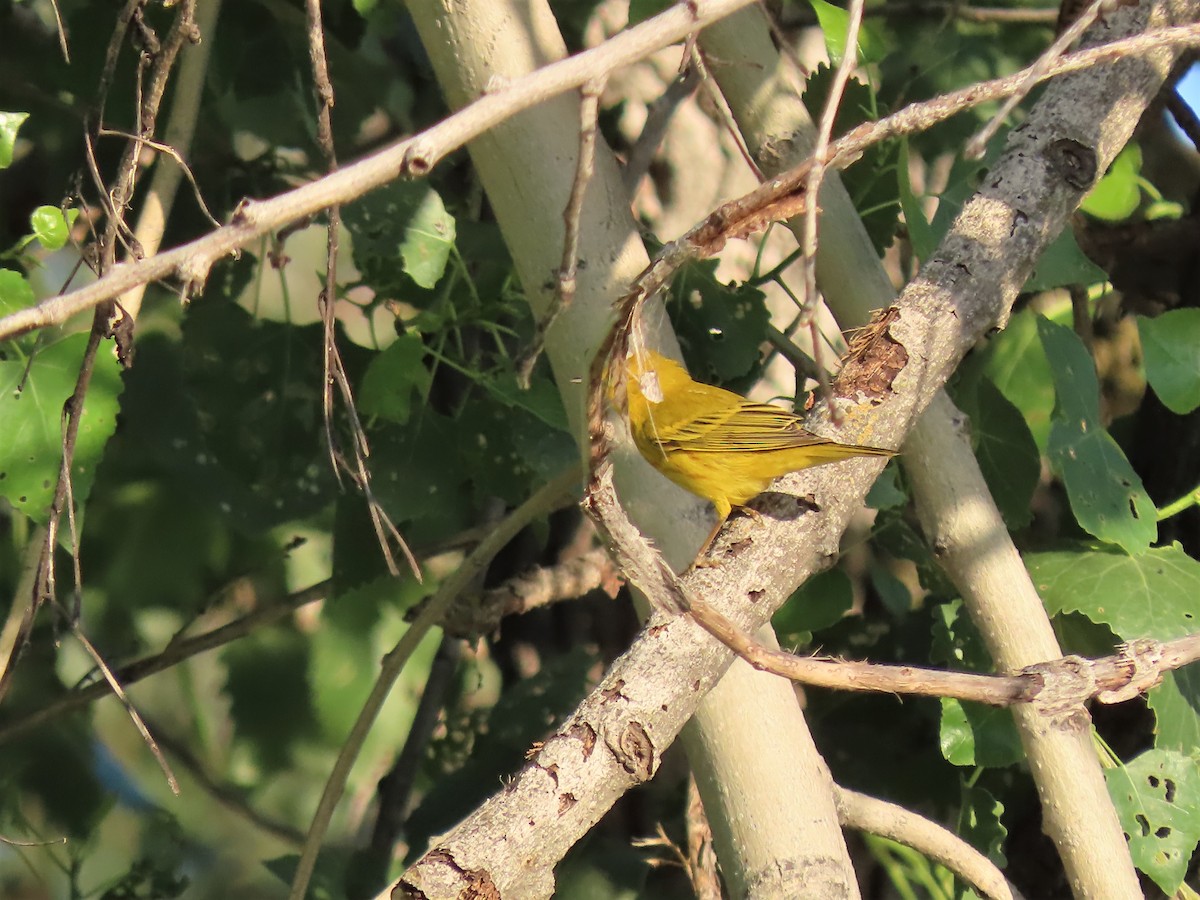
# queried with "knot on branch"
point(1140, 663)
point(1067, 684)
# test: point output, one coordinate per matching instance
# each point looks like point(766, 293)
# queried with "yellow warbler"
point(715, 443)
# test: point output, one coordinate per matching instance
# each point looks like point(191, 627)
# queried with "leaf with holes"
point(720, 326)
point(32, 394)
point(1157, 797)
point(1155, 595)
point(1106, 495)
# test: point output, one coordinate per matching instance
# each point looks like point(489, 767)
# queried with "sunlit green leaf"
point(31, 405)
point(16, 292)
point(1154, 595)
point(1175, 704)
point(10, 124)
point(972, 734)
point(1171, 348)
point(1157, 797)
point(835, 25)
point(50, 227)
point(1116, 196)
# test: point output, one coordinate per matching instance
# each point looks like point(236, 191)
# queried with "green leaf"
point(641, 10)
point(886, 492)
point(1007, 453)
point(406, 223)
point(421, 477)
point(392, 377)
point(1106, 495)
point(269, 693)
point(16, 293)
point(1116, 196)
point(818, 603)
point(920, 232)
point(10, 124)
point(1155, 595)
point(428, 240)
point(1174, 704)
point(1016, 363)
point(31, 405)
point(835, 25)
point(1062, 264)
point(233, 410)
point(892, 591)
point(1171, 348)
point(507, 451)
point(956, 641)
point(50, 227)
point(720, 326)
point(980, 824)
point(541, 400)
point(1157, 797)
point(972, 734)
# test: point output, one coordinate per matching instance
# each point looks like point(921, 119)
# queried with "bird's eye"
point(651, 389)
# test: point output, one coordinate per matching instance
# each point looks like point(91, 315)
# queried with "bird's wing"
point(733, 425)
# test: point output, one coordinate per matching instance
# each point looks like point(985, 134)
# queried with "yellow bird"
point(716, 443)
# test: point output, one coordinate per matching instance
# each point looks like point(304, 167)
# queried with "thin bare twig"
point(176, 155)
point(658, 117)
point(174, 653)
point(1056, 688)
point(1184, 116)
point(724, 115)
point(395, 788)
point(228, 796)
point(812, 189)
point(977, 145)
point(333, 368)
point(130, 710)
point(416, 156)
point(103, 326)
